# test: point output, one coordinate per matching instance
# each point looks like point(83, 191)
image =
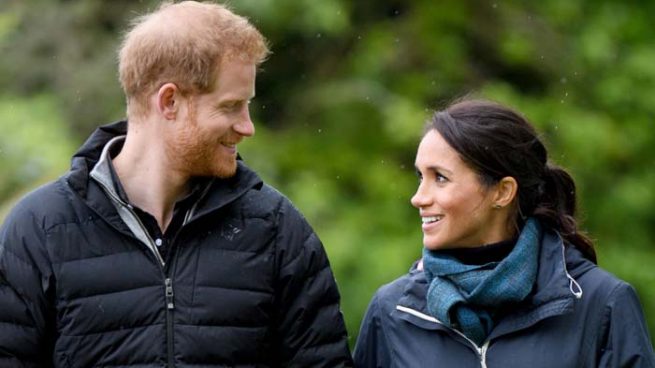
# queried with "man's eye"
point(232, 105)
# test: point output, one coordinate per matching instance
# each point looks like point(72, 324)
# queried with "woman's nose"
point(420, 198)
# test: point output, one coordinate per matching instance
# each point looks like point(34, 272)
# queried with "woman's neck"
point(483, 254)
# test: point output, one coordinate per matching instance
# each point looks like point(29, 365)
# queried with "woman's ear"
point(506, 190)
point(168, 100)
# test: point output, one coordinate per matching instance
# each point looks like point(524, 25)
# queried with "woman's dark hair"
point(498, 142)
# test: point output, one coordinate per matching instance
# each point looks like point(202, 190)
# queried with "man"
point(160, 248)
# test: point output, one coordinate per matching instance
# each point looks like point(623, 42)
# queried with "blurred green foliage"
point(342, 101)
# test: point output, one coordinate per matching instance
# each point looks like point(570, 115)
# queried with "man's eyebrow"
point(230, 101)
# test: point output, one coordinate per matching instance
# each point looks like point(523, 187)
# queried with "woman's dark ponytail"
point(556, 208)
point(498, 142)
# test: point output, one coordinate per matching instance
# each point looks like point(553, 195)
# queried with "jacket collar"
point(555, 290)
point(220, 191)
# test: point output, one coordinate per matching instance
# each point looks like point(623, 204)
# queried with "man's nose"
point(245, 126)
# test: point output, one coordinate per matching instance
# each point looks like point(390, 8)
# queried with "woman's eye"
point(441, 178)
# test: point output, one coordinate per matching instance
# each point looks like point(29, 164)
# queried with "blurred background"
point(343, 99)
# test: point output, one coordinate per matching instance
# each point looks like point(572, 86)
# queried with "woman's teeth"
point(427, 220)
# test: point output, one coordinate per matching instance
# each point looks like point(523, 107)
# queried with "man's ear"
point(506, 190)
point(168, 100)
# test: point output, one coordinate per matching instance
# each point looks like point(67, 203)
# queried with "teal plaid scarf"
point(464, 296)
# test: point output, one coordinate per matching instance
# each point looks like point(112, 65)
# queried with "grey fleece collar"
point(101, 173)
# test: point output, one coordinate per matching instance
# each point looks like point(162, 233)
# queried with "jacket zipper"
point(482, 351)
point(168, 283)
point(170, 306)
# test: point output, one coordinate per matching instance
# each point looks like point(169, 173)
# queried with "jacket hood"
point(222, 191)
point(88, 155)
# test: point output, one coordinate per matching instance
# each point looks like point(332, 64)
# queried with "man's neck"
point(147, 178)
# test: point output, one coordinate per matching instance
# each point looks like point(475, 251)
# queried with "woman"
point(506, 278)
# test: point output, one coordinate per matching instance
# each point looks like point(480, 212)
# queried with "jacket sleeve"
point(25, 314)
point(627, 343)
point(310, 328)
point(372, 350)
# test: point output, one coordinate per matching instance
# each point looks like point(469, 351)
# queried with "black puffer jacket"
point(246, 284)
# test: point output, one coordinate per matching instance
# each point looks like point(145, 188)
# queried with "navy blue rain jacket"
point(577, 316)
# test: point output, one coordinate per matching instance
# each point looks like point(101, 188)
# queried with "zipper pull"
point(169, 294)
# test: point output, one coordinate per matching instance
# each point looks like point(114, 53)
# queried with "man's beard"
point(197, 153)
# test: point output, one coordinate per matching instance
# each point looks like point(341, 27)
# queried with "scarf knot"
point(465, 296)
